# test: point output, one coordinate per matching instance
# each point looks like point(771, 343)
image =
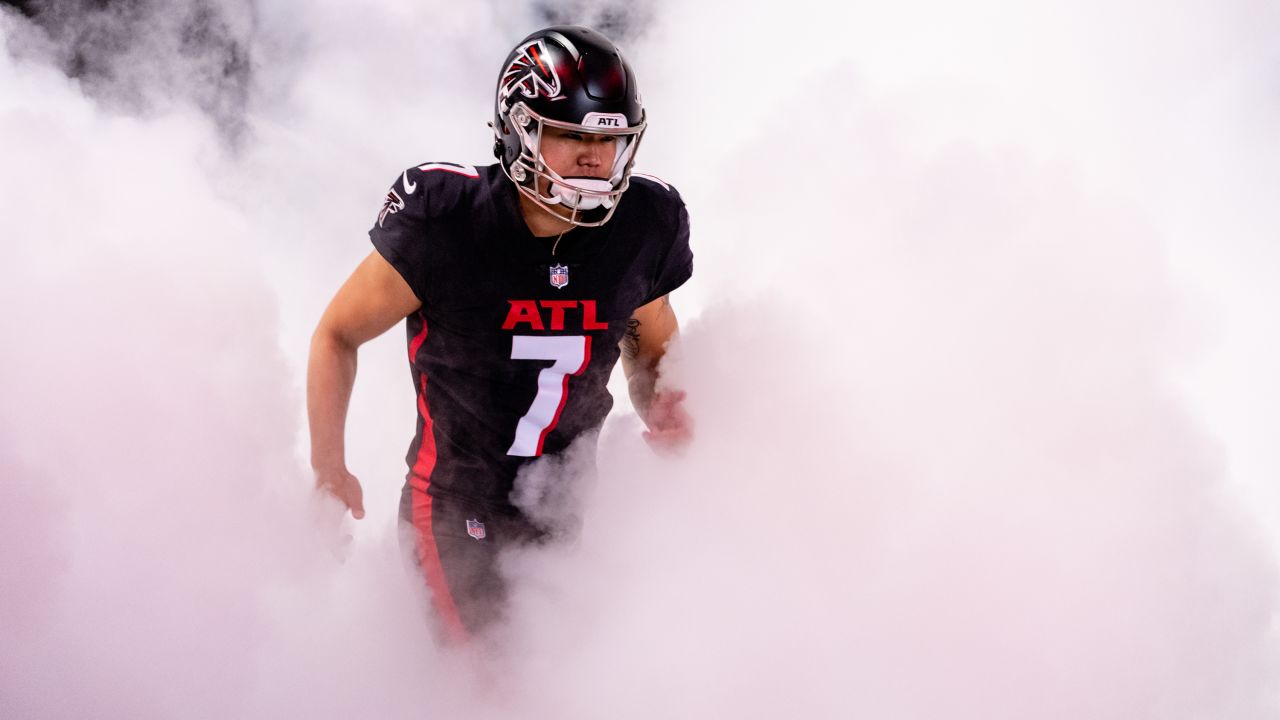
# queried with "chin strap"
point(556, 244)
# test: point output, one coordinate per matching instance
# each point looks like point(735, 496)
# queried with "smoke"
point(142, 56)
point(972, 349)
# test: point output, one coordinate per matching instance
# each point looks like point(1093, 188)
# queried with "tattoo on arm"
point(631, 338)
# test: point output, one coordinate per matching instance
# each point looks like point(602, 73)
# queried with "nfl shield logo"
point(559, 276)
point(475, 529)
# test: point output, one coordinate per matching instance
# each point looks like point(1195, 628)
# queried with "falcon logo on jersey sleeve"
point(531, 73)
point(393, 205)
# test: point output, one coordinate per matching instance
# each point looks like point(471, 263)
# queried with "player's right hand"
point(345, 487)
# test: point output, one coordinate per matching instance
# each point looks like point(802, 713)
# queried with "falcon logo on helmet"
point(531, 72)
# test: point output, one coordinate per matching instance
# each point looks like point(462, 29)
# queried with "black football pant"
point(455, 544)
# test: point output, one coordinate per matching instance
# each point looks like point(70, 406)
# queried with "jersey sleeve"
point(400, 233)
point(676, 267)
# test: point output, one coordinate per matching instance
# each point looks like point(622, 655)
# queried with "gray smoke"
point(144, 56)
point(976, 347)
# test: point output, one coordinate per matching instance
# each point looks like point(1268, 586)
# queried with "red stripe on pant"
point(420, 481)
point(429, 561)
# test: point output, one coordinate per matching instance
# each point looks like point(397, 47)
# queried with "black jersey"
point(513, 346)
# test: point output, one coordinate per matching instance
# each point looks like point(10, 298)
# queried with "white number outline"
point(572, 354)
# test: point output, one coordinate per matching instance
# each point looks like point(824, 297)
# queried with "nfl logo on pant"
point(559, 276)
point(475, 529)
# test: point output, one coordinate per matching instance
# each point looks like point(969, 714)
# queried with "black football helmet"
point(575, 79)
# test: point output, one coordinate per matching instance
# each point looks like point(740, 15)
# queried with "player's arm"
point(649, 332)
point(369, 303)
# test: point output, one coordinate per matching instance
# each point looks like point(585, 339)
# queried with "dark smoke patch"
point(26, 7)
point(141, 55)
point(622, 22)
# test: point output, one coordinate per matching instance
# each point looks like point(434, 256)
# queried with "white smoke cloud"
point(949, 270)
point(164, 559)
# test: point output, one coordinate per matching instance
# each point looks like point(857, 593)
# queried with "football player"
point(521, 283)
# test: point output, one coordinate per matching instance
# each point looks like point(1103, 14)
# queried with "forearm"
point(642, 377)
point(649, 331)
point(331, 373)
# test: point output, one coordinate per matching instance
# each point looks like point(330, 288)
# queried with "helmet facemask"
point(590, 201)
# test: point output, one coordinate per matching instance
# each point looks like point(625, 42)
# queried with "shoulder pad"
point(653, 179)
point(439, 187)
point(658, 192)
point(464, 170)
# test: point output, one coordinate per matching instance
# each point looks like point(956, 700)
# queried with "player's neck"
point(540, 221)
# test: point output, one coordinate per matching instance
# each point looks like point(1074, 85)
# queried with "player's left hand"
point(670, 427)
